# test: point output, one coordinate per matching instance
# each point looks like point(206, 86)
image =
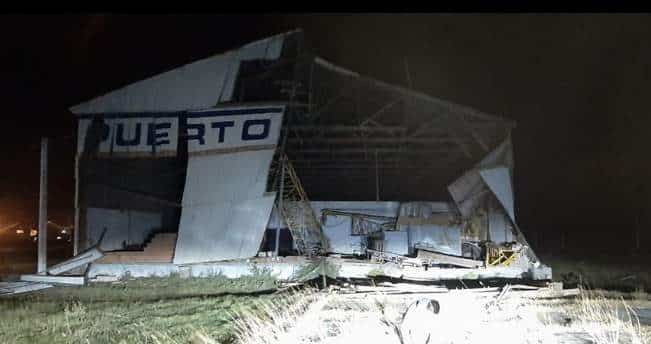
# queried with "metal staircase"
point(295, 208)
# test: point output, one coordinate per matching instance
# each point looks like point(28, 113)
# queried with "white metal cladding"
point(232, 128)
point(222, 230)
point(226, 177)
point(225, 207)
point(198, 85)
point(128, 227)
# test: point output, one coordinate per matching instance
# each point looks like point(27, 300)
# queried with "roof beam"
point(341, 151)
point(376, 140)
point(349, 129)
point(371, 118)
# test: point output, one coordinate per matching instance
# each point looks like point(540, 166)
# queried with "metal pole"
point(75, 248)
point(280, 202)
point(42, 212)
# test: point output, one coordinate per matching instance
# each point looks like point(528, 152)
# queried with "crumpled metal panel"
point(197, 85)
point(468, 192)
point(498, 179)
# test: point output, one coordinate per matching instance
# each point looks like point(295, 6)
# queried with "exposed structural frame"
point(179, 154)
point(351, 127)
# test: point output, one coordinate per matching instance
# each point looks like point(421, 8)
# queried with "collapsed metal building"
point(201, 168)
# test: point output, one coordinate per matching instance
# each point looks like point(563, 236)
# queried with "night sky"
point(577, 85)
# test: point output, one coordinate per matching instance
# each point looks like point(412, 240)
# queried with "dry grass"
point(463, 318)
point(165, 310)
point(606, 320)
point(156, 311)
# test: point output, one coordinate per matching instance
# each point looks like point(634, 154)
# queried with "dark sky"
point(577, 85)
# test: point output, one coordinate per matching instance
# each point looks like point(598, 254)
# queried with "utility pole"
point(42, 212)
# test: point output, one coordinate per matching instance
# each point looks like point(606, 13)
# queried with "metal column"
point(280, 203)
point(42, 212)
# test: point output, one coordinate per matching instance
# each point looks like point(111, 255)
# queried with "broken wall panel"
point(225, 207)
point(121, 228)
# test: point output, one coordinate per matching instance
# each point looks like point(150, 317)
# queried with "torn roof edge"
point(77, 108)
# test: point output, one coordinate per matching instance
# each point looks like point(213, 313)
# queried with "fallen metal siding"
point(197, 85)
